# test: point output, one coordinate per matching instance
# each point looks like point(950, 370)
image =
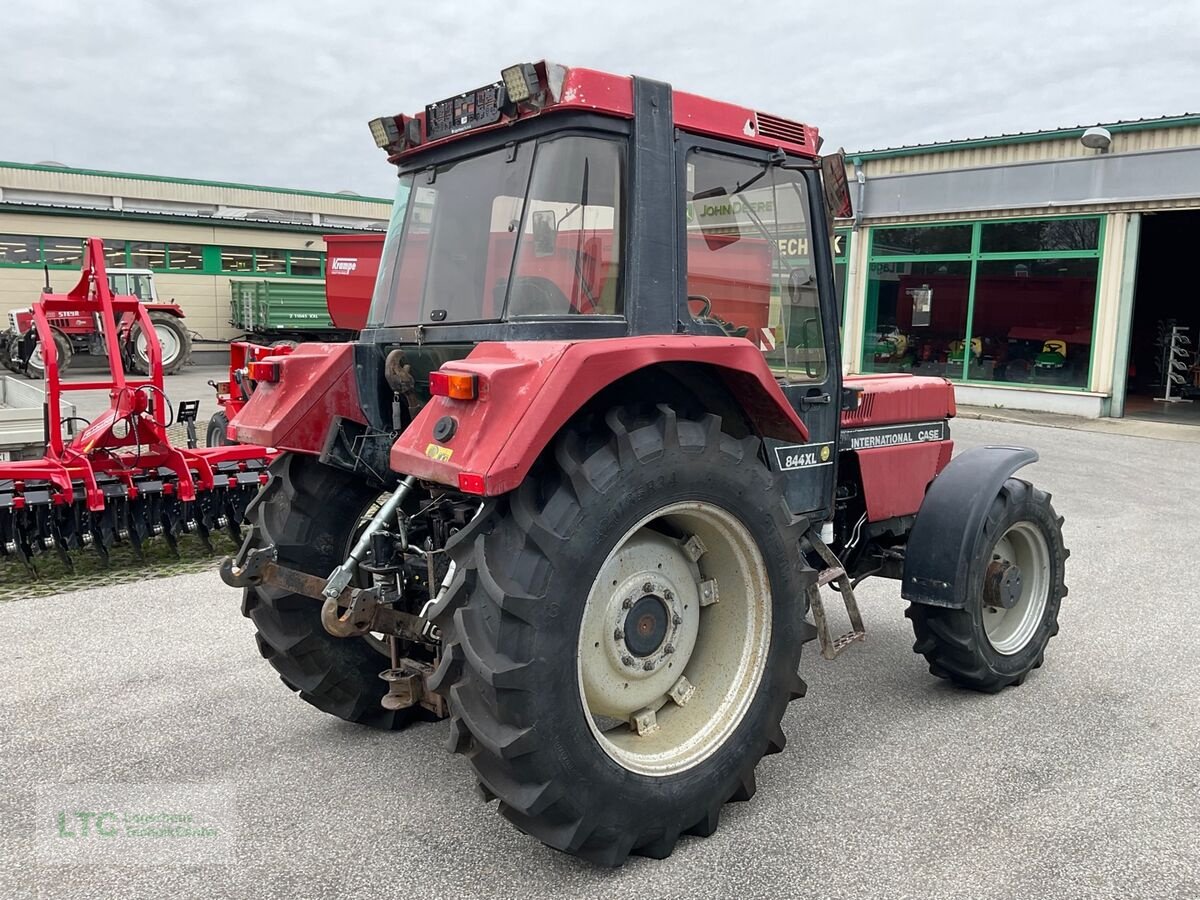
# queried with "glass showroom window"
point(1009, 301)
point(916, 317)
point(1033, 320)
point(185, 257)
point(270, 262)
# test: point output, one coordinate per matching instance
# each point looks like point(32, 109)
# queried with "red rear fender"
point(316, 384)
point(529, 390)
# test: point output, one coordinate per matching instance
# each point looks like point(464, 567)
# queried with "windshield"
point(527, 230)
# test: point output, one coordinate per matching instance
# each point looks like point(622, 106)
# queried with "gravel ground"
point(1084, 782)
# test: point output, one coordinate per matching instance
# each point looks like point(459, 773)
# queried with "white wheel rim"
point(167, 341)
point(1009, 631)
point(36, 360)
point(645, 718)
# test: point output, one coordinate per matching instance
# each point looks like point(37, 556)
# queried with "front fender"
point(528, 390)
point(944, 539)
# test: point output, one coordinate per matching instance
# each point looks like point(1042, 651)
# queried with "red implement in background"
point(120, 478)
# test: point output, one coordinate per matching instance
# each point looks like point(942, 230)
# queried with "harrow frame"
point(119, 478)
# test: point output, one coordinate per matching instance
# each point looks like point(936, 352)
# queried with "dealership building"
point(1039, 271)
point(196, 236)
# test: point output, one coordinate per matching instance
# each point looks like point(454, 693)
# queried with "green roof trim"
point(167, 179)
point(1024, 137)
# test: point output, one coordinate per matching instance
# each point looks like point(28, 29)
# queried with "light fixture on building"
point(1096, 139)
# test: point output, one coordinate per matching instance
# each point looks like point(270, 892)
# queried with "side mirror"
point(836, 187)
point(545, 232)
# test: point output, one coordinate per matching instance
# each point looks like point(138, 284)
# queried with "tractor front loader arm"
point(507, 401)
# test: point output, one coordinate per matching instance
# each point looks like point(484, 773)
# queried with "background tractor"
point(79, 331)
point(592, 462)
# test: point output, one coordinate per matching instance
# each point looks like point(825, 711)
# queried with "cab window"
point(749, 262)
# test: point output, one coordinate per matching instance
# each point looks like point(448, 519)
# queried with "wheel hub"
point(1002, 584)
point(646, 625)
point(664, 683)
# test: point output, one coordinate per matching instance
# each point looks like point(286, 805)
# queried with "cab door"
point(757, 267)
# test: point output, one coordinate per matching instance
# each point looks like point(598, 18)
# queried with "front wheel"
point(217, 434)
point(63, 352)
point(1015, 586)
point(624, 633)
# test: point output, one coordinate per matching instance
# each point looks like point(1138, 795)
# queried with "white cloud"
point(280, 93)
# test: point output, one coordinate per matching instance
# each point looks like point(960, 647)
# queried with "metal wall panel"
point(1045, 185)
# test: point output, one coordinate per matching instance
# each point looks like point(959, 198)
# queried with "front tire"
point(64, 352)
point(988, 646)
point(577, 604)
point(217, 434)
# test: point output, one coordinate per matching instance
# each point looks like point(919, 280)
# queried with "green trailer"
point(278, 310)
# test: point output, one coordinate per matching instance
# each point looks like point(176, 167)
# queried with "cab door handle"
point(814, 400)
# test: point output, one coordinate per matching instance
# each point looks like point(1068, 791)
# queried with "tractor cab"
point(567, 204)
point(134, 283)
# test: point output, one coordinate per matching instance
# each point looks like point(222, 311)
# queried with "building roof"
point(71, 170)
point(1024, 137)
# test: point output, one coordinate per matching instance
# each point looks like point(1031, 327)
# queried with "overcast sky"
point(279, 93)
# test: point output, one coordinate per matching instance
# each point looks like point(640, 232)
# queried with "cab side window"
point(749, 263)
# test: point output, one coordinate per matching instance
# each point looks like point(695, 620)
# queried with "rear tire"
point(309, 512)
point(173, 338)
point(217, 436)
point(535, 701)
point(986, 647)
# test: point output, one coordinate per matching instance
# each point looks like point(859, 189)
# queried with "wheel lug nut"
point(647, 587)
point(618, 634)
point(627, 603)
point(677, 619)
point(627, 660)
point(668, 595)
point(648, 665)
point(670, 648)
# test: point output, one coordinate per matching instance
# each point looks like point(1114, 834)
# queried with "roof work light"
point(385, 131)
point(520, 82)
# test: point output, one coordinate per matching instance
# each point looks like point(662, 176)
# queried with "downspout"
point(852, 347)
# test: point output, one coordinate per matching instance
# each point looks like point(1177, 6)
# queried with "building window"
point(1033, 320)
point(304, 262)
point(114, 255)
point(147, 255)
point(270, 262)
point(922, 240)
point(19, 250)
point(184, 257)
point(237, 259)
point(62, 251)
point(1016, 306)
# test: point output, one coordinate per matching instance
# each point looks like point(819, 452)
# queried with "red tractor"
point(592, 462)
point(79, 331)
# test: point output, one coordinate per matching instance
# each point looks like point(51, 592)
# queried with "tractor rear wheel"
point(173, 338)
point(311, 513)
point(1014, 589)
point(64, 351)
point(622, 636)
